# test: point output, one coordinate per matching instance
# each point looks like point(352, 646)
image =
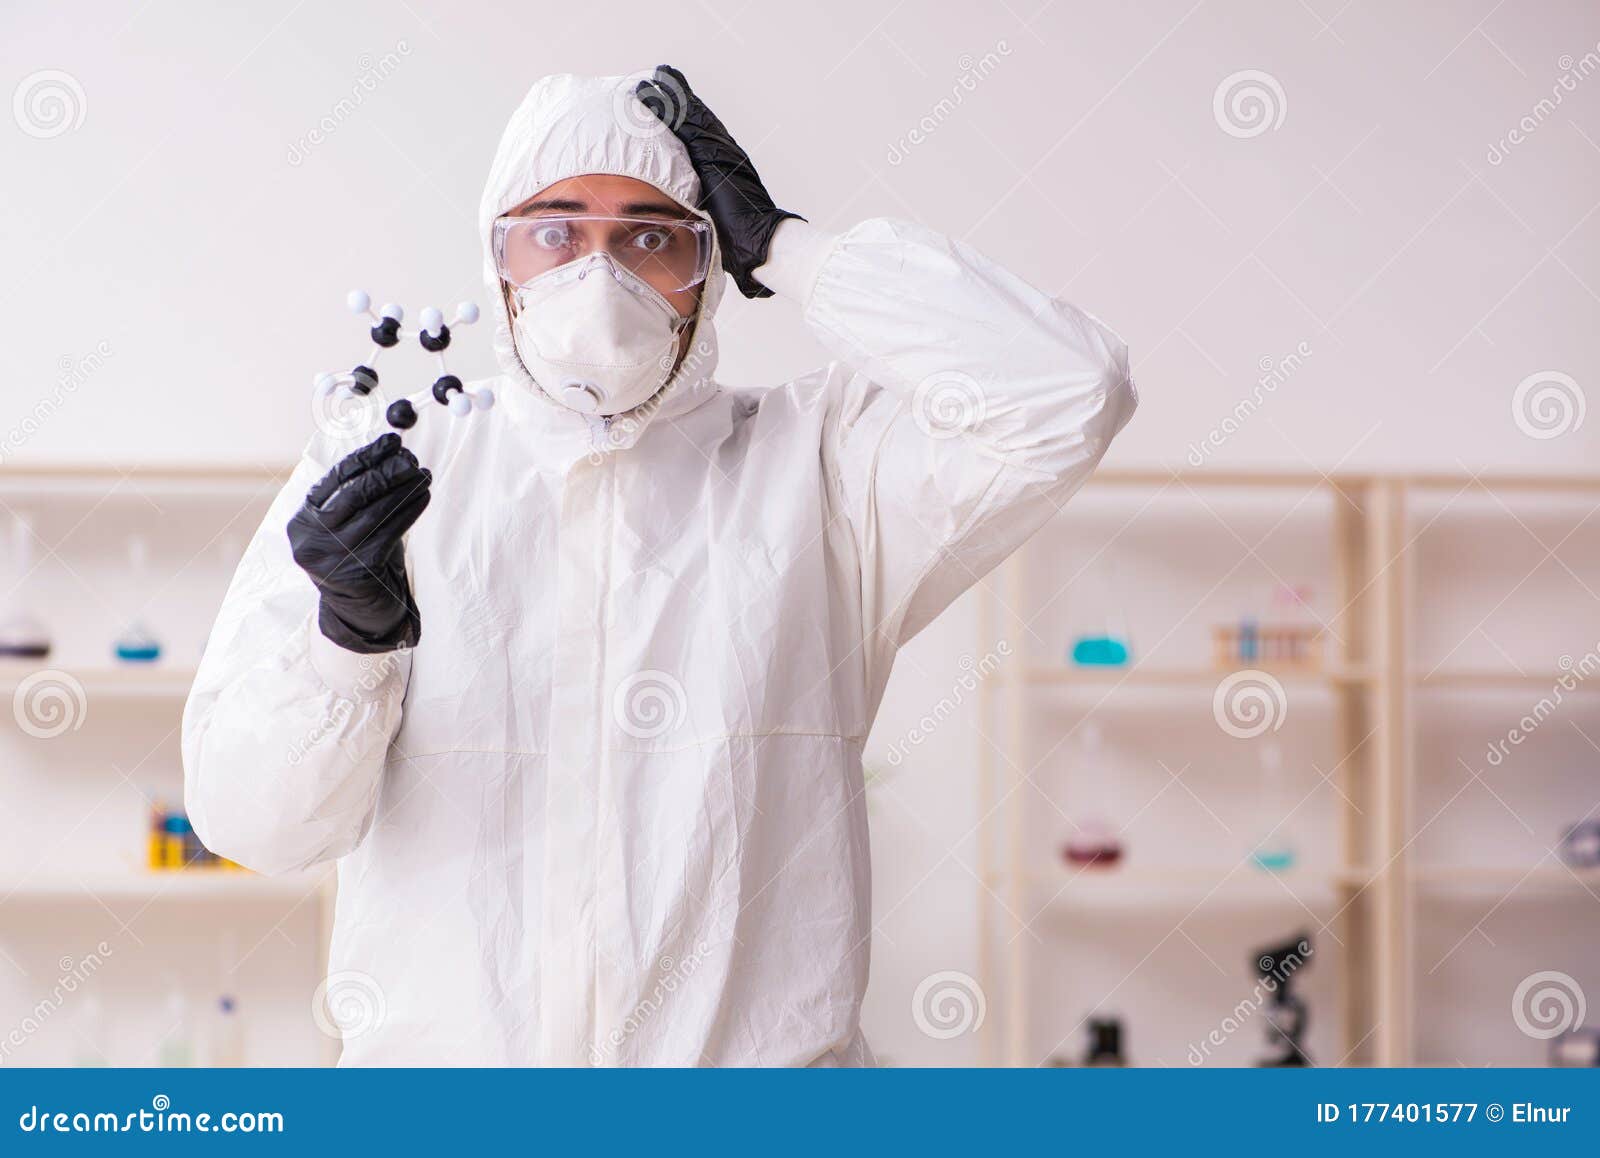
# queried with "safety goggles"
point(669, 255)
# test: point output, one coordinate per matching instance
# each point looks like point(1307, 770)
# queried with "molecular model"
point(433, 336)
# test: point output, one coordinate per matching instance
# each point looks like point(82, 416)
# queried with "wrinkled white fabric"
point(610, 810)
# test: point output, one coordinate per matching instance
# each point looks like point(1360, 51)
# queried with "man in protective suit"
point(585, 737)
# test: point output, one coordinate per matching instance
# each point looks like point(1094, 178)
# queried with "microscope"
point(1287, 1015)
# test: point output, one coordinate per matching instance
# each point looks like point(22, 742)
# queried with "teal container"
point(1100, 651)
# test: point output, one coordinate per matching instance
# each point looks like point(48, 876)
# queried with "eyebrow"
point(632, 209)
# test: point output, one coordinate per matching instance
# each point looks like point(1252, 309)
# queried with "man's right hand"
point(347, 537)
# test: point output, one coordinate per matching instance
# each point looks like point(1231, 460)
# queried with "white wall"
point(188, 231)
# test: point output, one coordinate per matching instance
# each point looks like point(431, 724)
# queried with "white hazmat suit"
point(609, 811)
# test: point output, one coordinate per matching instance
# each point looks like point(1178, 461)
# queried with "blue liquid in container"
point(1273, 860)
point(1100, 651)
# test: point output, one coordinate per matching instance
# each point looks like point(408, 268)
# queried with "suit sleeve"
point(967, 408)
point(285, 734)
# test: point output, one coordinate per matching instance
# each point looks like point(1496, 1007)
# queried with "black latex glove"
point(347, 536)
point(730, 190)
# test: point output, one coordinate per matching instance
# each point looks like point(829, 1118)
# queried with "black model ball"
point(401, 415)
point(386, 333)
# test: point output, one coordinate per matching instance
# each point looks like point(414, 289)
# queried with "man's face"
point(605, 195)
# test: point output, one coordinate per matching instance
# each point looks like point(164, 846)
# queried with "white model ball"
point(325, 383)
point(432, 320)
point(460, 404)
point(483, 399)
point(390, 310)
point(358, 301)
point(467, 313)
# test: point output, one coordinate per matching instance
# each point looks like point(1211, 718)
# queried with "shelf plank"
point(1508, 877)
point(180, 885)
point(1147, 675)
point(1195, 878)
point(133, 681)
point(1490, 679)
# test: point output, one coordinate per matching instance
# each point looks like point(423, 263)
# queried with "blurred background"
point(1280, 744)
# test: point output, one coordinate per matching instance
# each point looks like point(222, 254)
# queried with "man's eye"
point(550, 236)
point(652, 240)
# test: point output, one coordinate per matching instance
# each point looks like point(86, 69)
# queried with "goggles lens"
point(668, 255)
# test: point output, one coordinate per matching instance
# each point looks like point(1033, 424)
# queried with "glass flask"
point(1095, 838)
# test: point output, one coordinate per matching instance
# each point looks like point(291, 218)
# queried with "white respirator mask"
point(596, 337)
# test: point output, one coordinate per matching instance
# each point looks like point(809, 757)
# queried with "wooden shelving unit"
point(1376, 691)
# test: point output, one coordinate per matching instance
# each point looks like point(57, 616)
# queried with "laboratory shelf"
point(1147, 675)
point(141, 681)
point(178, 483)
point(1184, 880)
point(1509, 681)
point(181, 885)
point(1363, 676)
point(1510, 878)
